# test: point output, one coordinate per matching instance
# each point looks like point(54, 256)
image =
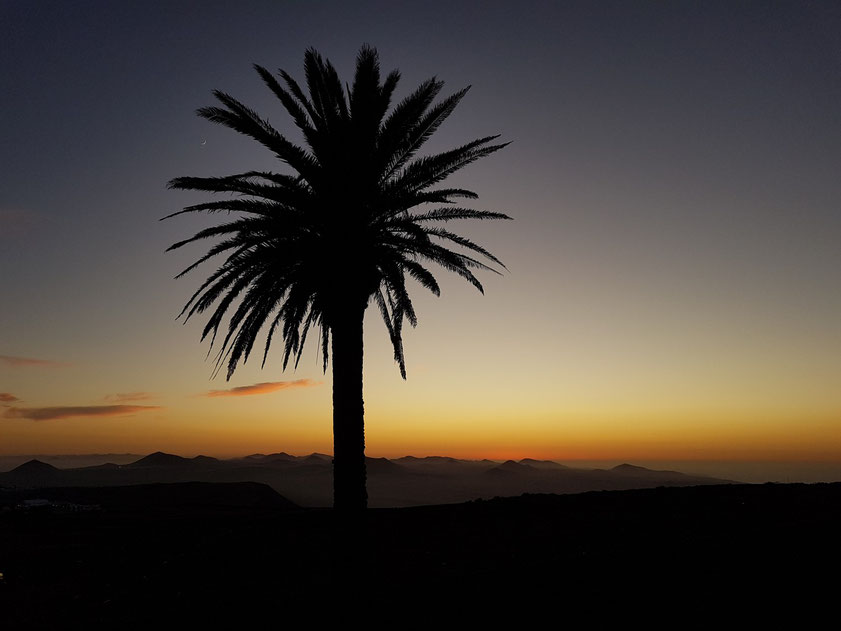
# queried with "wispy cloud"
point(18, 362)
point(48, 414)
point(122, 397)
point(6, 397)
point(263, 388)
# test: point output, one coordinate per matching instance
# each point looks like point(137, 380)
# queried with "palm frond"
point(358, 215)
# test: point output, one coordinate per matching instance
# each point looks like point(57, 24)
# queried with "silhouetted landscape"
point(602, 234)
point(407, 481)
point(200, 552)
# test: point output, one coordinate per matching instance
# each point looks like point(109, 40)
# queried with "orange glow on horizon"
point(216, 435)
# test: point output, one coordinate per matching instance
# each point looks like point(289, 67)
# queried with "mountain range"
point(406, 481)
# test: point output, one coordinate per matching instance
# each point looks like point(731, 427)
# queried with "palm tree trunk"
point(349, 477)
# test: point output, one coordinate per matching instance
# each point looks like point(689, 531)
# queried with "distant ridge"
point(279, 456)
point(316, 458)
point(161, 459)
point(512, 467)
point(542, 464)
point(407, 481)
point(428, 459)
point(628, 467)
point(635, 470)
point(205, 460)
point(105, 466)
point(382, 465)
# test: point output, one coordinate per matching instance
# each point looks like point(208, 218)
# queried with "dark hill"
point(105, 466)
point(33, 473)
point(205, 460)
point(161, 459)
point(382, 466)
point(511, 467)
point(282, 456)
point(316, 459)
point(34, 467)
point(630, 469)
point(542, 464)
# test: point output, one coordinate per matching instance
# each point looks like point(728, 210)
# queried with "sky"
point(672, 290)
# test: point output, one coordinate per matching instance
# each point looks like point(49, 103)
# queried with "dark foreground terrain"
point(231, 555)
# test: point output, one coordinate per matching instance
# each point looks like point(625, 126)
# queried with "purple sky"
point(674, 174)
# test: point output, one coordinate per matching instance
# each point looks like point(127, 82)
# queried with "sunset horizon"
point(671, 291)
point(425, 311)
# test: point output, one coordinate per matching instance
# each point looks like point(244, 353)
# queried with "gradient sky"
point(674, 175)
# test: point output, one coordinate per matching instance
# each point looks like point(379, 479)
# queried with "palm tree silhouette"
point(315, 248)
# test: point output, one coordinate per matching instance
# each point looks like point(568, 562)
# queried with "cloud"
point(5, 397)
point(262, 388)
point(122, 397)
point(48, 414)
point(16, 362)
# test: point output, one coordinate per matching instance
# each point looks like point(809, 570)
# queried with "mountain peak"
point(206, 459)
point(316, 457)
point(160, 459)
point(511, 466)
point(628, 468)
point(542, 464)
point(34, 466)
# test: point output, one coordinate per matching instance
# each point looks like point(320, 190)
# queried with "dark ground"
point(227, 555)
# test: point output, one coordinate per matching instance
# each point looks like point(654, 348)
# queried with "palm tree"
point(313, 249)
